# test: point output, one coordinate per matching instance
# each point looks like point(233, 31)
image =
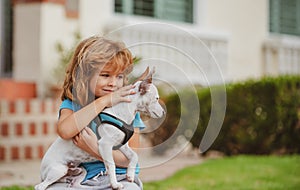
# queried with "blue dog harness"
point(118, 123)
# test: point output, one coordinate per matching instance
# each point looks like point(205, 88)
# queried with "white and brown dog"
point(115, 130)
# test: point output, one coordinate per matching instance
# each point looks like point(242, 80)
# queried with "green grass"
point(231, 173)
point(236, 173)
point(16, 188)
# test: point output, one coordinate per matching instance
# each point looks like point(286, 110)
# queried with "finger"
point(120, 94)
point(124, 88)
point(132, 92)
point(89, 131)
point(126, 100)
point(128, 87)
point(75, 140)
point(128, 92)
point(84, 132)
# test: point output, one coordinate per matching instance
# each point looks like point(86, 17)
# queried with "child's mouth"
point(108, 91)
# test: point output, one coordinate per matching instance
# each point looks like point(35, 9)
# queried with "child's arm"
point(71, 123)
point(134, 141)
point(87, 141)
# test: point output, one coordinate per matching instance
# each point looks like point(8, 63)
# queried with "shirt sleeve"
point(68, 104)
point(138, 122)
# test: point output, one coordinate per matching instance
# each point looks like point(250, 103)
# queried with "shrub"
point(262, 117)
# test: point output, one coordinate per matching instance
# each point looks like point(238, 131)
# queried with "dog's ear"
point(143, 76)
point(144, 87)
point(145, 84)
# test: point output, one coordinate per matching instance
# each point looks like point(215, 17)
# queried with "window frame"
point(278, 24)
point(126, 7)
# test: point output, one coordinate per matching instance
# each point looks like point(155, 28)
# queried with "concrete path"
point(24, 173)
point(168, 168)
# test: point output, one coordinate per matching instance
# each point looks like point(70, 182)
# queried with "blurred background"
point(210, 42)
point(249, 39)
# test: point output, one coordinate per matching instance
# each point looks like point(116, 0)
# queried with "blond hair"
point(89, 56)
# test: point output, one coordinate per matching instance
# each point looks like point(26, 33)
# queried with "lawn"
point(236, 173)
point(232, 173)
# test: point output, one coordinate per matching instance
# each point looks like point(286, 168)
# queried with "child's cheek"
point(120, 83)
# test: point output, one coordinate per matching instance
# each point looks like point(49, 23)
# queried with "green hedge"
point(262, 117)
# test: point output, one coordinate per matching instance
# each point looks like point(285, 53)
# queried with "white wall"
point(55, 27)
point(94, 16)
point(38, 27)
point(246, 22)
point(27, 44)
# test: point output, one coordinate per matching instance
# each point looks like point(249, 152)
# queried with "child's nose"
point(112, 81)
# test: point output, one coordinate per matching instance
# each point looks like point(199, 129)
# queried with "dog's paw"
point(130, 174)
point(74, 171)
point(117, 186)
point(40, 186)
point(130, 178)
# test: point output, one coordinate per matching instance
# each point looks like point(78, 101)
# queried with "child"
point(94, 80)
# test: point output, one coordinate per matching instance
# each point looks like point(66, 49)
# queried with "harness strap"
point(128, 130)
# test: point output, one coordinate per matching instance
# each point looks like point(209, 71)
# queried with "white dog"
point(115, 130)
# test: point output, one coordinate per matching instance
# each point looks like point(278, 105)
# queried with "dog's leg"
point(53, 174)
point(74, 179)
point(133, 160)
point(105, 150)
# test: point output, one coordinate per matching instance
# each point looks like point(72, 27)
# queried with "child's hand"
point(119, 96)
point(87, 141)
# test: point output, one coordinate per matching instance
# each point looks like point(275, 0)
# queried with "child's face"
point(106, 81)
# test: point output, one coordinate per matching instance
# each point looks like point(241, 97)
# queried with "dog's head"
point(148, 97)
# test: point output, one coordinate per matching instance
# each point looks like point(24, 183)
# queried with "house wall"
point(42, 25)
point(27, 58)
point(246, 22)
point(38, 27)
point(94, 16)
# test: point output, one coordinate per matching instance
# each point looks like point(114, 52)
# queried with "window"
point(143, 7)
point(284, 16)
point(175, 10)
